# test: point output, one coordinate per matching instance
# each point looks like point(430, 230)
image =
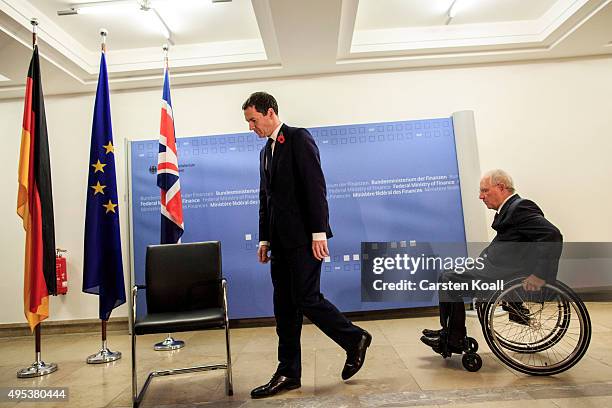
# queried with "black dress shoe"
point(436, 345)
point(277, 384)
point(517, 312)
point(355, 359)
point(431, 333)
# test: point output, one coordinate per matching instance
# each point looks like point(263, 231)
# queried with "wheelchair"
point(544, 332)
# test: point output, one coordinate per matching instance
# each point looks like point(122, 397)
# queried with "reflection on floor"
point(399, 371)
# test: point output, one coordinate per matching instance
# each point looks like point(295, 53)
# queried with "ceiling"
point(250, 39)
point(417, 13)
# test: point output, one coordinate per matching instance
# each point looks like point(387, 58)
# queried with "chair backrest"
point(183, 277)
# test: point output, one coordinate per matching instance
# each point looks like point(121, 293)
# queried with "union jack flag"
point(172, 226)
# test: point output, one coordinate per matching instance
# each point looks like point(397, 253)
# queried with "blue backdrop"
point(387, 182)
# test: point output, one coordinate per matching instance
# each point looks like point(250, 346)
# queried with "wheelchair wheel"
point(549, 332)
point(471, 362)
point(472, 345)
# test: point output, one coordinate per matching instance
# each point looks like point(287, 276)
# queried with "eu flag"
point(102, 265)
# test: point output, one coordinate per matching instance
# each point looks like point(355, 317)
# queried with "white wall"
point(548, 124)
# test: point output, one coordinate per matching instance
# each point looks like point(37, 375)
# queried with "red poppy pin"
point(281, 139)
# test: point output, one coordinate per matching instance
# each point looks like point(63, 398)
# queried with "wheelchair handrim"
point(563, 364)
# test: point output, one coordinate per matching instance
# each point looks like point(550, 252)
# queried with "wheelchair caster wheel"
point(472, 345)
point(471, 362)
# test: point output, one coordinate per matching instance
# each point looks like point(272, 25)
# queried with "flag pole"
point(34, 22)
point(169, 343)
point(103, 34)
point(105, 355)
point(38, 367)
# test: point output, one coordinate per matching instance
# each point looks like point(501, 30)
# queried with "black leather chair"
point(185, 291)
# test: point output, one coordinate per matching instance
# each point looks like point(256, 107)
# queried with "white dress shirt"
point(502, 204)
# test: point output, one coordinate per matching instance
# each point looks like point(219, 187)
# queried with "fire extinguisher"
point(61, 271)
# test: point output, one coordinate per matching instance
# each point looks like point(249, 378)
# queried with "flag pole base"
point(169, 344)
point(37, 369)
point(104, 356)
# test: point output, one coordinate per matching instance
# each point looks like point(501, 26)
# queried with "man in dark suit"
point(294, 228)
point(526, 244)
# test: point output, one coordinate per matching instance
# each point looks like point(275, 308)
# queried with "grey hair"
point(498, 176)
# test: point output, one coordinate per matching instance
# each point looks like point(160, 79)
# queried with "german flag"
point(35, 202)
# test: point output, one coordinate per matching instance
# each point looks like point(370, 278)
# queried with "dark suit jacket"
point(526, 243)
point(293, 200)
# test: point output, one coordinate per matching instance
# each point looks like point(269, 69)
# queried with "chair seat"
point(173, 322)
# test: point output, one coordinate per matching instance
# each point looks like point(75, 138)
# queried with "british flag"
point(172, 226)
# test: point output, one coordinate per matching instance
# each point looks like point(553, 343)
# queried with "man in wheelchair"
point(526, 244)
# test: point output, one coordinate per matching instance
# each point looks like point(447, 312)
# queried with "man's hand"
point(262, 254)
point(532, 283)
point(319, 249)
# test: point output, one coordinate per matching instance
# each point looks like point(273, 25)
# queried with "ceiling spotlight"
point(452, 11)
point(121, 6)
point(103, 7)
point(163, 27)
point(113, 6)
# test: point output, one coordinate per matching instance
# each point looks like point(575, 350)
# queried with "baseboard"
point(115, 324)
point(595, 294)
point(120, 324)
point(353, 316)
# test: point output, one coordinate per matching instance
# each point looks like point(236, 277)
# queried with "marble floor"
point(399, 371)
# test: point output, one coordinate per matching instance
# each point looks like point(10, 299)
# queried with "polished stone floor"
point(399, 371)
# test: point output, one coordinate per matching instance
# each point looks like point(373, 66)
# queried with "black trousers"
point(452, 306)
point(296, 276)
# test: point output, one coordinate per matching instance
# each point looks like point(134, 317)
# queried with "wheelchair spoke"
point(545, 332)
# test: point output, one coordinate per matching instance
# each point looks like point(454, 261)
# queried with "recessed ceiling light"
point(3, 78)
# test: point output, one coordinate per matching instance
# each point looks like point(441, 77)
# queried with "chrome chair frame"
point(138, 395)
